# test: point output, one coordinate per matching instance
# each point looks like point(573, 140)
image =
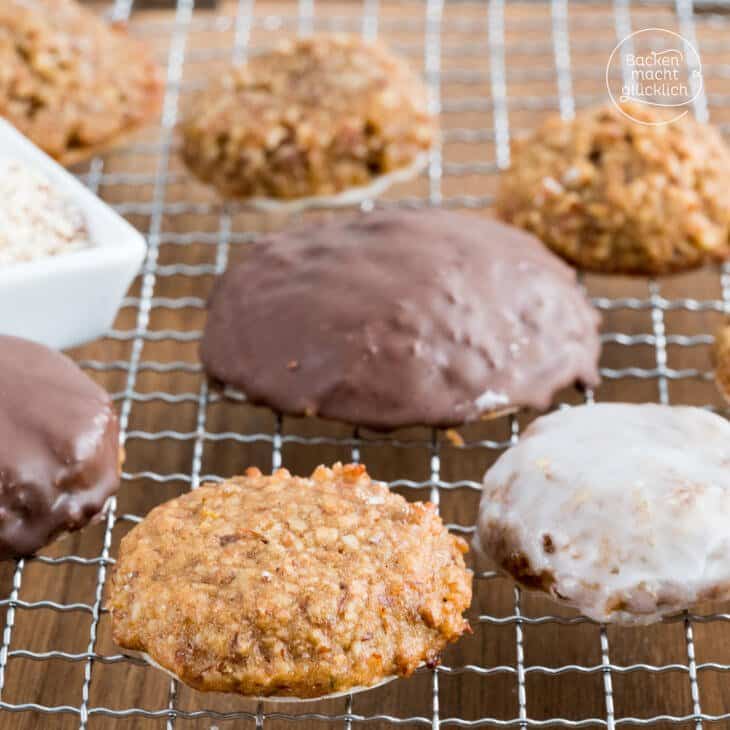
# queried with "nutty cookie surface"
point(619, 510)
point(314, 117)
point(69, 81)
point(613, 195)
point(286, 586)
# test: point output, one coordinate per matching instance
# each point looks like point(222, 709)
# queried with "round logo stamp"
point(654, 67)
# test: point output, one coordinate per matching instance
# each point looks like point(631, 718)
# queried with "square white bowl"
point(70, 298)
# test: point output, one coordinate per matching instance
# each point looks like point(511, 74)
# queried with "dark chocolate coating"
point(59, 447)
point(398, 318)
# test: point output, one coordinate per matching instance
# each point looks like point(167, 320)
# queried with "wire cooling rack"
point(492, 69)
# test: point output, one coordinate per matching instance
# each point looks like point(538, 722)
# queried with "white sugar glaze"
point(622, 511)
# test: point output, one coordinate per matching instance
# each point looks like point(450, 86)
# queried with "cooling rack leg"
point(432, 69)
point(684, 10)
point(498, 77)
point(240, 44)
point(242, 34)
point(370, 10)
point(607, 681)
point(10, 621)
point(520, 661)
point(183, 17)
point(306, 17)
point(561, 53)
point(435, 498)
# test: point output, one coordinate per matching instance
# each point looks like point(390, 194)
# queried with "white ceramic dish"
point(64, 300)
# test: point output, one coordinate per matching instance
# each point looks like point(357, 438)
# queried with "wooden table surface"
point(165, 202)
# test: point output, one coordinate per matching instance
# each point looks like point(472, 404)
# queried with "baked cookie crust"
point(612, 195)
point(290, 587)
point(314, 117)
point(70, 82)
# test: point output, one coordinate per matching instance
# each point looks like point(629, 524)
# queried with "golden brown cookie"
point(69, 81)
point(316, 117)
point(290, 587)
point(613, 195)
point(721, 360)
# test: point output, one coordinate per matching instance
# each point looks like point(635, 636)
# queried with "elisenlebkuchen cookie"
point(69, 81)
point(326, 119)
point(623, 191)
point(281, 586)
point(59, 447)
point(621, 511)
point(399, 318)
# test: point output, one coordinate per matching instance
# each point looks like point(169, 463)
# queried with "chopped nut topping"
point(454, 437)
point(609, 194)
point(350, 584)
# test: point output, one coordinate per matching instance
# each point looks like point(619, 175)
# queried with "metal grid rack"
point(492, 67)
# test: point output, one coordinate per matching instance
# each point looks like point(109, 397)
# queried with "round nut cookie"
point(59, 447)
point(314, 118)
point(281, 586)
point(69, 81)
point(614, 195)
point(398, 318)
point(620, 510)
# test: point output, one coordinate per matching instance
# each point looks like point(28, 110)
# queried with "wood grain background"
point(468, 68)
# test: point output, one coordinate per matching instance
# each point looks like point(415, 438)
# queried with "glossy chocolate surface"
point(398, 318)
point(59, 447)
